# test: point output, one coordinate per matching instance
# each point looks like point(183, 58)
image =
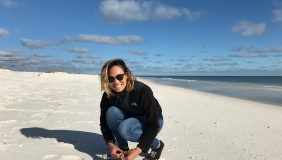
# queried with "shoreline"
point(237, 93)
point(259, 104)
point(60, 113)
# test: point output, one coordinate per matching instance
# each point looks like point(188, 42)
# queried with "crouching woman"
point(129, 112)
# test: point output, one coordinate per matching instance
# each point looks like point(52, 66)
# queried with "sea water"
point(265, 89)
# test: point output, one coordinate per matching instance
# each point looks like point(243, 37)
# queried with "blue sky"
point(157, 37)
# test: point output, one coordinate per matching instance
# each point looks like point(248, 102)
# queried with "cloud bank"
point(131, 39)
point(116, 11)
point(32, 44)
point(78, 50)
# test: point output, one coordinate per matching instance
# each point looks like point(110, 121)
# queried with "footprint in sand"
point(63, 157)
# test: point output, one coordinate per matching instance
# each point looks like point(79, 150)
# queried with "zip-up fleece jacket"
point(138, 102)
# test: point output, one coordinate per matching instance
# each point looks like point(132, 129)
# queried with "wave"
point(272, 86)
point(180, 80)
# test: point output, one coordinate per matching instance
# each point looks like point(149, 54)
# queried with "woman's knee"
point(124, 130)
point(130, 130)
point(113, 110)
point(114, 116)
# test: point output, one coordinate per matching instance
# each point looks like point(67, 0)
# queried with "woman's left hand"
point(131, 154)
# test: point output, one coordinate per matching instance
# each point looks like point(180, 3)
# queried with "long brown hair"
point(105, 73)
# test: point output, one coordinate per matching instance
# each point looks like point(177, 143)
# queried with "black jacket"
point(138, 102)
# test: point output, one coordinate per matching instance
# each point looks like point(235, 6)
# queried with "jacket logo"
point(153, 154)
point(133, 104)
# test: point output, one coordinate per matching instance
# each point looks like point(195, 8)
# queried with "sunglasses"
point(118, 77)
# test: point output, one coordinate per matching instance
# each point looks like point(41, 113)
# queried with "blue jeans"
point(126, 128)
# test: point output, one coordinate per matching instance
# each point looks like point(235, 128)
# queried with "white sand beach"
point(55, 116)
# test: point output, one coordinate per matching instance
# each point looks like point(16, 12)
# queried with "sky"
point(153, 37)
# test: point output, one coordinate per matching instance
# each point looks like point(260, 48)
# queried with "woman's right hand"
point(116, 152)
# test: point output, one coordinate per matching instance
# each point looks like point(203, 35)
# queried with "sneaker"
point(155, 153)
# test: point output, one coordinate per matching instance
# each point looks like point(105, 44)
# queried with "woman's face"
point(115, 73)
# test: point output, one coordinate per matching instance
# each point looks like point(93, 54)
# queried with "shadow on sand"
point(87, 142)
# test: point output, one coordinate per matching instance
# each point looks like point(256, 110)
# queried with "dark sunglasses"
point(118, 77)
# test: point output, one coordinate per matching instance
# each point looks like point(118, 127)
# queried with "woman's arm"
point(106, 132)
point(149, 106)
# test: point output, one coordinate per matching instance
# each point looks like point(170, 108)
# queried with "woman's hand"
point(131, 154)
point(116, 152)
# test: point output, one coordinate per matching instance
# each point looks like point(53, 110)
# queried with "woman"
point(129, 112)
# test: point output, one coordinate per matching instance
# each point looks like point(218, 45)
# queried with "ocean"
point(264, 89)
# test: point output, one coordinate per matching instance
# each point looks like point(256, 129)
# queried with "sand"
point(55, 116)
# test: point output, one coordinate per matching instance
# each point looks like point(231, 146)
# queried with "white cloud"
point(79, 50)
point(110, 40)
point(216, 59)
point(3, 33)
point(242, 48)
point(249, 29)
point(166, 12)
point(80, 56)
point(82, 61)
point(12, 59)
point(250, 49)
point(251, 55)
point(277, 3)
point(11, 53)
point(38, 65)
point(34, 44)
point(138, 52)
point(277, 15)
point(268, 50)
point(226, 64)
point(40, 55)
point(192, 15)
point(116, 11)
point(93, 57)
point(8, 3)
point(64, 40)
